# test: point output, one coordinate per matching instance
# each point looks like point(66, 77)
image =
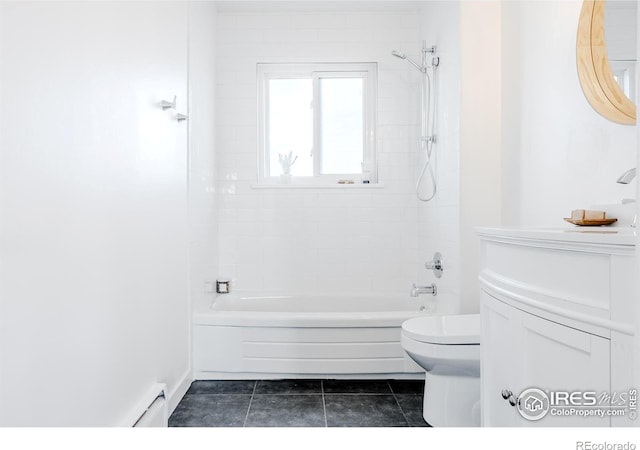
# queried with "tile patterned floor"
point(301, 403)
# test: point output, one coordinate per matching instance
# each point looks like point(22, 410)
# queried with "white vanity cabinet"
point(523, 350)
point(556, 311)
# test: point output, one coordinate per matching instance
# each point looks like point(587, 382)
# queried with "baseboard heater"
point(153, 410)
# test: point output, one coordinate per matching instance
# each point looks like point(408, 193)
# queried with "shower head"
point(397, 54)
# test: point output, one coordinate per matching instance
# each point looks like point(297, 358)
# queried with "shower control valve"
point(435, 265)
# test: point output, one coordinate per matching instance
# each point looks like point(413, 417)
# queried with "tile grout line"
point(244, 424)
point(324, 405)
point(399, 405)
point(358, 393)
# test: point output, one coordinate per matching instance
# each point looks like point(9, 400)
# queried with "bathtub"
point(304, 336)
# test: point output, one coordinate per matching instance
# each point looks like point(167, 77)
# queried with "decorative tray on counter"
point(591, 223)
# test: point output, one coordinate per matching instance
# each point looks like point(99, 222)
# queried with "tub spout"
point(418, 290)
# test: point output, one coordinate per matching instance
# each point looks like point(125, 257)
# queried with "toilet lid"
point(454, 329)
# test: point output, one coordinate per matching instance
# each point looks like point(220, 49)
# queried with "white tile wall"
point(439, 220)
point(354, 240)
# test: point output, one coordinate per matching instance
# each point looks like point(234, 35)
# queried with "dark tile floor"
point(301, 403)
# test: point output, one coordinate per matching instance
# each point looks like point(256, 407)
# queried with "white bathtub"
point(304, 336)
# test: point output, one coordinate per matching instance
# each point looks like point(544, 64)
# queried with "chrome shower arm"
point(421, 68)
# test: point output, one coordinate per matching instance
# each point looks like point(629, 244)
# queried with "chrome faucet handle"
point(435, 265)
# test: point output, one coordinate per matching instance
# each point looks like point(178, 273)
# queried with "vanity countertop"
point(622, 238)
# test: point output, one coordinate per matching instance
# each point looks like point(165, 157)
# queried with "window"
point(317, 123)
point(624, 74)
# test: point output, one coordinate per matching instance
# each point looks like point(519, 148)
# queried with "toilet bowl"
point(448, 349)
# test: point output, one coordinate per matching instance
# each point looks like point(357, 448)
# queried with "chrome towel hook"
point(168, 105)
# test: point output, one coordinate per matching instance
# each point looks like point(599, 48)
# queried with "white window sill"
point(319, 186)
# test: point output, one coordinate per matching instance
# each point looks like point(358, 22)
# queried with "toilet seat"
point(452, 359)
point(448, 330)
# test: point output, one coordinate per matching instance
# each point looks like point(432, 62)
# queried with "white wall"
point(439, 219)
point(480, 136)
point(318, 240)
point(93, 189)
point(636, 360)
point(203, 231)
point(559, 154)
point(532, 148)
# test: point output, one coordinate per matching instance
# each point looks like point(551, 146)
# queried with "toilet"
point(448, 349)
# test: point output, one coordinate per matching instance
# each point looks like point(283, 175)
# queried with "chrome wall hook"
point(168, 105)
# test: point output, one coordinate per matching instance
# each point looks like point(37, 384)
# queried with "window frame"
point(624, 73)
point(315, 72)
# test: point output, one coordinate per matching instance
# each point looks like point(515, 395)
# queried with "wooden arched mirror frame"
point(594, 71)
